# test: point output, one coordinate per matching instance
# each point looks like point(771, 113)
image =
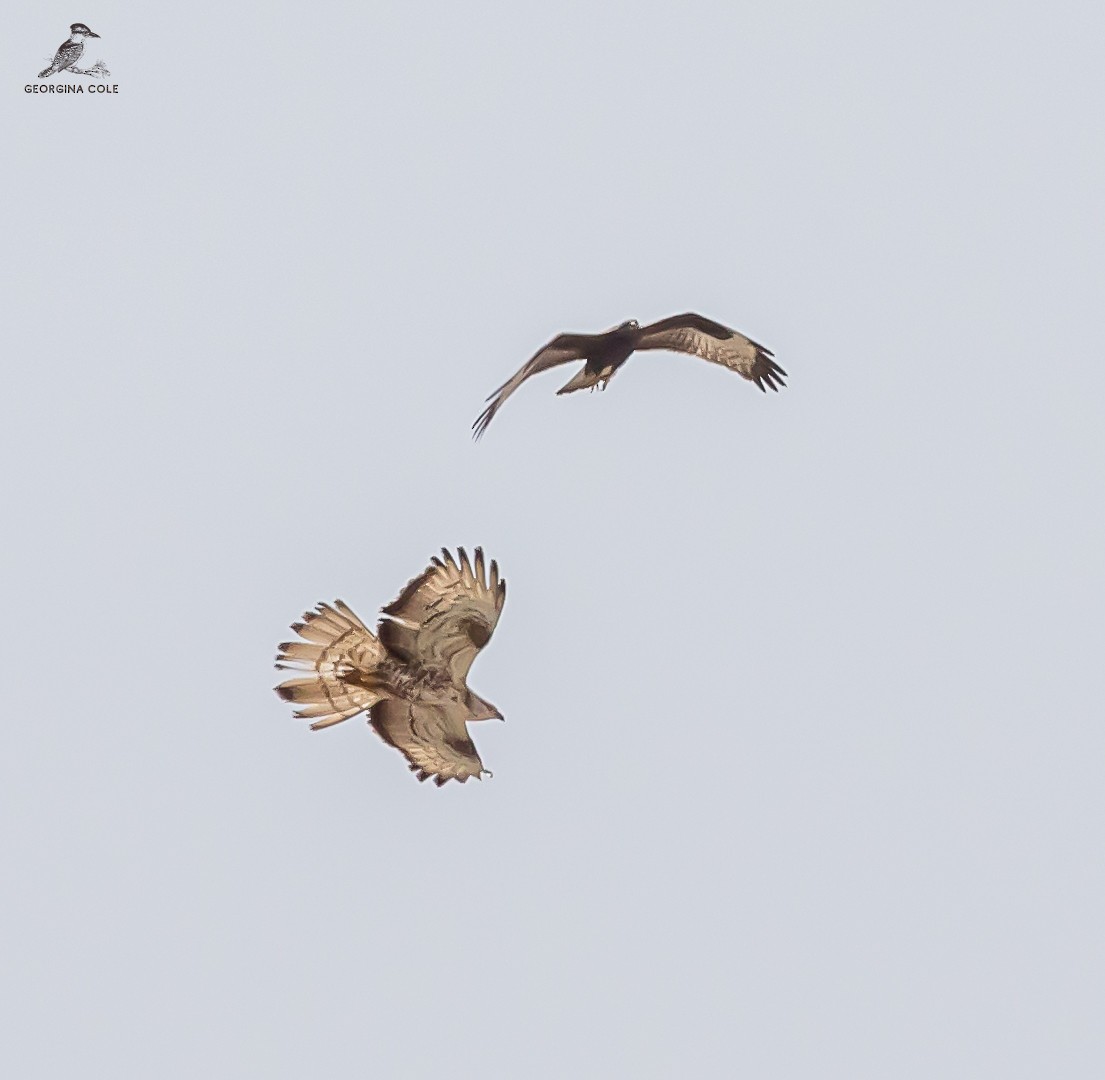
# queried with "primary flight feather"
point(411, 676)
point(605, 353)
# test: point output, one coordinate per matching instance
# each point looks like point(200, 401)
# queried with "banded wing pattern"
point(447, 614)
point(433, 739)
point(699, 336)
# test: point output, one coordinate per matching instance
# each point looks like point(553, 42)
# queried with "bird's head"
point(79, 29)
point(630, 324)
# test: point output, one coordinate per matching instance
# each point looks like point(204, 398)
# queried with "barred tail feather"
point(342, 654)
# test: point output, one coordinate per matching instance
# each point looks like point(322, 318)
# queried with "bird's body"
point(69, 51)
point(412, 675)
point(605, 353)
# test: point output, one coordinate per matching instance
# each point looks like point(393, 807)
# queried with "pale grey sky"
point(803, 768)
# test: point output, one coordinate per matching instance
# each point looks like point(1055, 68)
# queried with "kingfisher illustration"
point(69, 52)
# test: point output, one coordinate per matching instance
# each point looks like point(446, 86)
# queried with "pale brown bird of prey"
point(412, 676)
point(605, 353)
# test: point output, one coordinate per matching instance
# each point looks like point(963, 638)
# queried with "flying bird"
point(69, 52)
point(605, 353)
point(411, 676)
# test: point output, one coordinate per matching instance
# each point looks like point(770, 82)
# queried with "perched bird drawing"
point(605, 353)
point(411, 676)
point(69, 52)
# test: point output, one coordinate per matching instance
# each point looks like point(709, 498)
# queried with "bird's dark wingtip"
point(481, 422)
point(774, 368)
point(771, 374)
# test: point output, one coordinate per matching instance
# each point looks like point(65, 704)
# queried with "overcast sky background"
point(803, 768)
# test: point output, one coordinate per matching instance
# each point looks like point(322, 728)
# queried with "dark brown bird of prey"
point(412, 676)
point(605, 353)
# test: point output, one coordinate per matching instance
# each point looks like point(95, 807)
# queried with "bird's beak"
point(90, 34)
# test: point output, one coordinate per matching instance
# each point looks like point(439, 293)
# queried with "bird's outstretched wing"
point(445, 615)
point(433, 738)
point(699, 336)
point(563, 349)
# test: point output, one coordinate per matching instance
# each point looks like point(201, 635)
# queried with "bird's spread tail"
point(342, 655)
point(581, 380)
